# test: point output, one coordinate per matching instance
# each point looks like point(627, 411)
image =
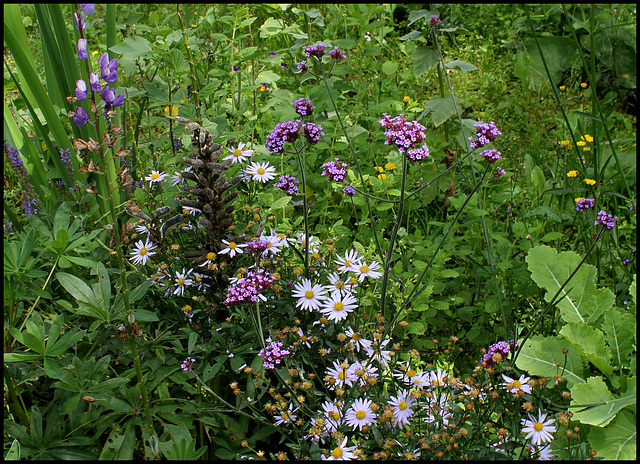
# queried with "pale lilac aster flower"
point(402, 407)
point(360, 414)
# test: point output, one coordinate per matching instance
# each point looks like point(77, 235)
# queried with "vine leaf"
point(580, 300)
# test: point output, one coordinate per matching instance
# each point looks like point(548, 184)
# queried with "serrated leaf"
point(592, 403)
point(440, 109)
point(619, 329)
point(617, 441)
point(424, 60)
point(589, 342)
point(131, 47)
point(580, 300)
point(209, 88)
point(542, 355)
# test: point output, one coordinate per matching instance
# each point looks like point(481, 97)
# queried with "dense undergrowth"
point(320, 231)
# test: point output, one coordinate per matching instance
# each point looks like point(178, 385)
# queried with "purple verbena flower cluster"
point(583, 204)
point(314, 50)
point(486, 133)
point(337, 54)
point(303, 106)
point(257, 246)
point(499, 172)
point(247, 289)
point(491, 155)
point(302, 66)
point(186, 365)
point(348, 190)
point(312, 132)
point(497, 352)
point(288, 184)
point(632, 206)
point(284, 132)
point(335, 170)
point(607, 220)
point(418, 154)
point(273, 354)
point(7, 226)
point(434, 20)
point(404, 134)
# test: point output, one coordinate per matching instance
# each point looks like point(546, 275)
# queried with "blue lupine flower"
point(82, 49)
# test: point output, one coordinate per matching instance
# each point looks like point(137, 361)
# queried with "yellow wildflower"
point(379, 168)
point(390, 166)
point(590, 181)
point(578, 199)
point(262, 88)
point(583, 85)
point(572, 173)
point(565, 143)
point(174, 111)
point(95, 52)
point(406, 99)
point(586, 149)
point(581, 143)
point(382, 176)
point(588, 138)
point(563, 88)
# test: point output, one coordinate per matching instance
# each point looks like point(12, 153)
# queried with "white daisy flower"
point(238, 155)
point(438, 410)
point(365, 270)
point(304, 338)
point(538, 430)
point(350, 262)
point(545, 453)
point(309, 296)
point(341, 452)
point(340, 283)
point(405, 373)
point(377, 353)
point(177, 177)
point(199, 284)
point(155, 176)
point(420, 380)
point(273, 244)
point(284, 242)
point(286, 416)
point(142, 252)
point(181, 281)
point(338, 307)
point(362, 372)
point(190, 210)
point(360, 414)
point(232, 248)
point(261, 172)
point(357, 339)
point(210, 263)
point(514, 386)
point(402, 407)
point(341, 372)
point(314, 242)
point(333, 417)
point(437, 378)
point(144, 227)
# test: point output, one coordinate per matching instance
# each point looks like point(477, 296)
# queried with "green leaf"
point(424, 60)
point(132, 47)
point(617, 441)
point(279, 203)
point(61, 241)
point(619, 329)
point(632, 290)
point(77, 288)
point(61, 220)
point(441, 109)
point(268, 76)
point(389, 67)
point(583, 302)
point(14, 452)
point(589, 342)
point(592, 402)
point(541, 356)
point(142, 315)
point(557, 53)
point(461, 65)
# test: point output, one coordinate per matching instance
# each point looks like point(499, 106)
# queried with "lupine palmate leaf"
point(580, 300)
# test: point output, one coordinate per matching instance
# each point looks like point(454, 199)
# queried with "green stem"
point(306, 210)
point(195, 91)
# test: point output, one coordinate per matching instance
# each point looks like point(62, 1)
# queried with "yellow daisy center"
point(335, 415)
point(210, 256)
point(261, 171)
point(237, 153)
point(336, 453)
point(347, 263)
point(308, 294)
point(360, 373)
point(361, 415)
point(232, 245)
point(411, 373)
point(402, 406)
point(338, 306)
point(339, 285)
point(364, 269)
point(143, 251)
point(537, 426)
point(155, 175)
point(180, 281)
point(304, 338)
point(516, 384)
point(342, 376)
point(285, 415)
point(356, 336)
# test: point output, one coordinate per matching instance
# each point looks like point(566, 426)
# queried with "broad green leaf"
point(617, 441)
point(632, 290)
point(268, 76)
point(418, 14)
point(581, 300)
point(557, 52)
point(131, 47)
point(142, 315)
point(461, 65)
point(67, 341)
point(61, 241)
point(592, 402)
point(619, 328)
point(542, 355)
point(280, 203)
point(77, 288)
point(589, 342)
point(424, 59)
point(440, 109)
point(389, 67)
